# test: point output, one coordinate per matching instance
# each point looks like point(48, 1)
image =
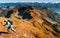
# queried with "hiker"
point(9, 25)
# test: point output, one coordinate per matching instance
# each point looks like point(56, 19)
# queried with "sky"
point(7, 1)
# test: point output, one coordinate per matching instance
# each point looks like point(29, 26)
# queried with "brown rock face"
point(29, 22)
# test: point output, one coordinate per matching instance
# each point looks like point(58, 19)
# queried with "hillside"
point(30, 22)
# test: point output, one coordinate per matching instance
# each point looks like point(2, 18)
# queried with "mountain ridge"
point(30, 22)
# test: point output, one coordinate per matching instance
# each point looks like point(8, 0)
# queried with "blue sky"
point(30, 1)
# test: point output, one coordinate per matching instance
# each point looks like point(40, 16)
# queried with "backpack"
point(9, 21)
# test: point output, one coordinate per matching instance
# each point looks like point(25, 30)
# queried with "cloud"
point(29, 0)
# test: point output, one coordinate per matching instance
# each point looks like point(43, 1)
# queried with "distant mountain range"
point(53, 6)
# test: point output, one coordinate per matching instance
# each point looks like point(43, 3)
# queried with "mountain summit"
point(30, 22)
